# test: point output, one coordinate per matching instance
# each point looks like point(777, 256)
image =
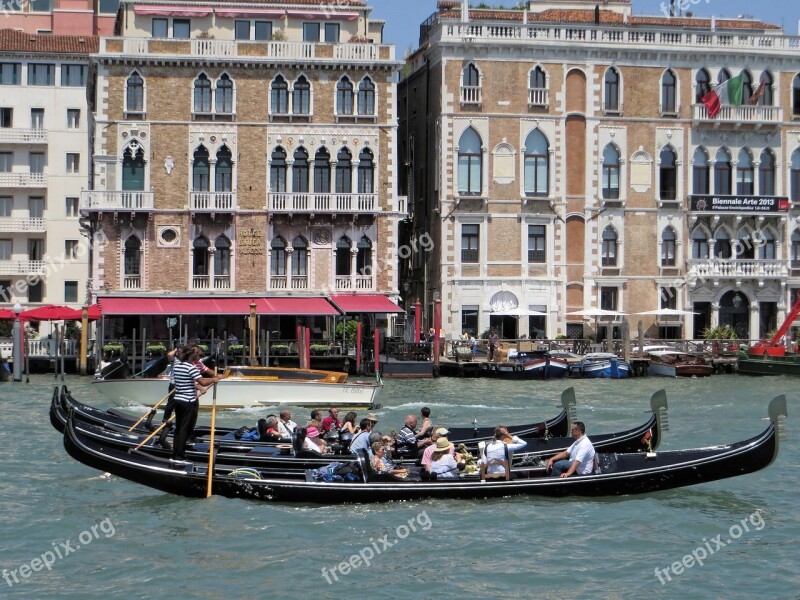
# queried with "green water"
point(146, 544)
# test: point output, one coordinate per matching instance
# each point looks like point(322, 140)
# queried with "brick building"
point(562, 160)
point(243, 150)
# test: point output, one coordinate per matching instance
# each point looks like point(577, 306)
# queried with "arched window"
point(766, 173)
point(722, 244)
point(668, 247)
point(669, 99)
point(470, 163)
point(537, 164)
point(344, 172)
point(133, 170)
point(277, 263)
point(343, 264)
point(133, 255)
point(366, 97)
point(668, 175)
point(609, 251)
point(366, 172)
point(747, 86)
point(470, 77)
point(222, 257)
point(794, 176)
point(744, 246)
point(202, 94)
point(723, 76)
point(135, 91)
point(700, 171)
point(744, 173)
point(200, 170)
point(611, 90)
point(796, 249)
point(224, 95)
point(300, 171)
point(279, 96)
point(322, 172)
point(344, 97)
point(767, 97)
point(702, 85)
point(699, 244)
point(610, 172)
point(277, 170)
point(722, 173)
point(766, 247)
point(796, 95)
point(301, 96)
point(223, 171)
point(300, 257)
point(537, 87)
point(200, 256)
point(364, 256)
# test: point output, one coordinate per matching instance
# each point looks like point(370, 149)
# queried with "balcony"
point(538, 97)
point(132, 282)
point(212, 201)
point(296, 282)
point(716, 269)
point(344, 282)
point(99, 201)
point(23, 225)
point(228, 50)
point(471, 94)
point(21, 267)
point(23, 180)
point(207, 282)
point(294, 203)
point(14, 135)
point(758, 116)
point(353, 282)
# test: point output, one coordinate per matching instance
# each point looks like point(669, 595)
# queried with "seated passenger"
point(578, 459)
point(313, 442)
point(426, 426)
point(443, 464)
point(406, 443)
point(270, 433)
point(496, 450)
point(331, 421)
point(286, 426)
point(349, 423)
point(381, 464)
point(428, 453)
point(361, 441)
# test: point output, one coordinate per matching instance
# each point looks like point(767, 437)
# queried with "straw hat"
point(443, 444)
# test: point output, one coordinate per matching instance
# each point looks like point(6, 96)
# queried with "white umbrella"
point(667, 312)
point(518, 312)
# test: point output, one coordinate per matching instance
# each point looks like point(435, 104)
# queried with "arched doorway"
point(734, 311)
point(504, 325)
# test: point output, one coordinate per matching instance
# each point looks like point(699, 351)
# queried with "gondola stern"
point(659, 406)
point(778, 413)
point(569, 403)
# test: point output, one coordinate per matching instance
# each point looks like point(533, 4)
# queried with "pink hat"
point(312, 432)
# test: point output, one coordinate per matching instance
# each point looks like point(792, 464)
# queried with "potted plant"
point(112, 352)
point(279, 349)
point(236, 349)
point(154, 350)
point(319, 349)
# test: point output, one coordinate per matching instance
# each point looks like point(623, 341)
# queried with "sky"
point(403, 17)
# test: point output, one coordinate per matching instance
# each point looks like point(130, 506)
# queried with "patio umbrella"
point(6, 314)
point(518, 312)
point(597, 312)
point(51, 313)
point(94, 312)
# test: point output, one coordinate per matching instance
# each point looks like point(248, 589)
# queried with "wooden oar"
point(211, 443)
point(157, 404)
point(152, 435)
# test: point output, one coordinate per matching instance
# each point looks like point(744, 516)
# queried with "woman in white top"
point(443, 464)
point(496, 449)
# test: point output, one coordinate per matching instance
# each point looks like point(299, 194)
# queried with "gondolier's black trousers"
point(186, 419)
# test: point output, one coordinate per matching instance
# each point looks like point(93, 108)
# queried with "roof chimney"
point(464, 11)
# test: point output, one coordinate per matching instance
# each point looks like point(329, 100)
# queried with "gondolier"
point(189, 384)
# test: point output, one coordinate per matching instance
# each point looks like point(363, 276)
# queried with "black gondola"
point(621, 474)
point(63, 402)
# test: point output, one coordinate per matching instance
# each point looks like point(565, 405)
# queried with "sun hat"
point(443, 444)
point(441, 431)
point(372, 417)
point(312, 432)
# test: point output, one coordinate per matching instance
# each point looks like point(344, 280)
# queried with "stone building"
point(562, 160)
point(44, 165)
point(241, 150)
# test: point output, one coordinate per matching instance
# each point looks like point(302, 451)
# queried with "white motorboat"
point(247, 387)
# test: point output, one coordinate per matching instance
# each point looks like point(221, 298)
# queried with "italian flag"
point(728, 93)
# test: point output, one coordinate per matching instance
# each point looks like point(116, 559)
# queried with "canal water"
point(68, 532)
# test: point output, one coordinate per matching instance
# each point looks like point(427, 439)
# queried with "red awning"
point(365, 303)
point(175, 306)
point(171, 11)
point(51, 313)
point(295, 306)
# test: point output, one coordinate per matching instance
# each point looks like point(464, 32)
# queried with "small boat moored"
point(673, 363)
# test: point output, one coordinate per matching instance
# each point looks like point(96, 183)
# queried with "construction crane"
point(774, 346)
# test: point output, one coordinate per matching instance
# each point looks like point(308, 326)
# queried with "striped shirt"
point(185, 374)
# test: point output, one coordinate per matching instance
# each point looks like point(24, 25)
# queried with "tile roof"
point(607, 17)
point(18, 41)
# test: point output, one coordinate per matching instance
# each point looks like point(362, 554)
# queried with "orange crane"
point(774, 346)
